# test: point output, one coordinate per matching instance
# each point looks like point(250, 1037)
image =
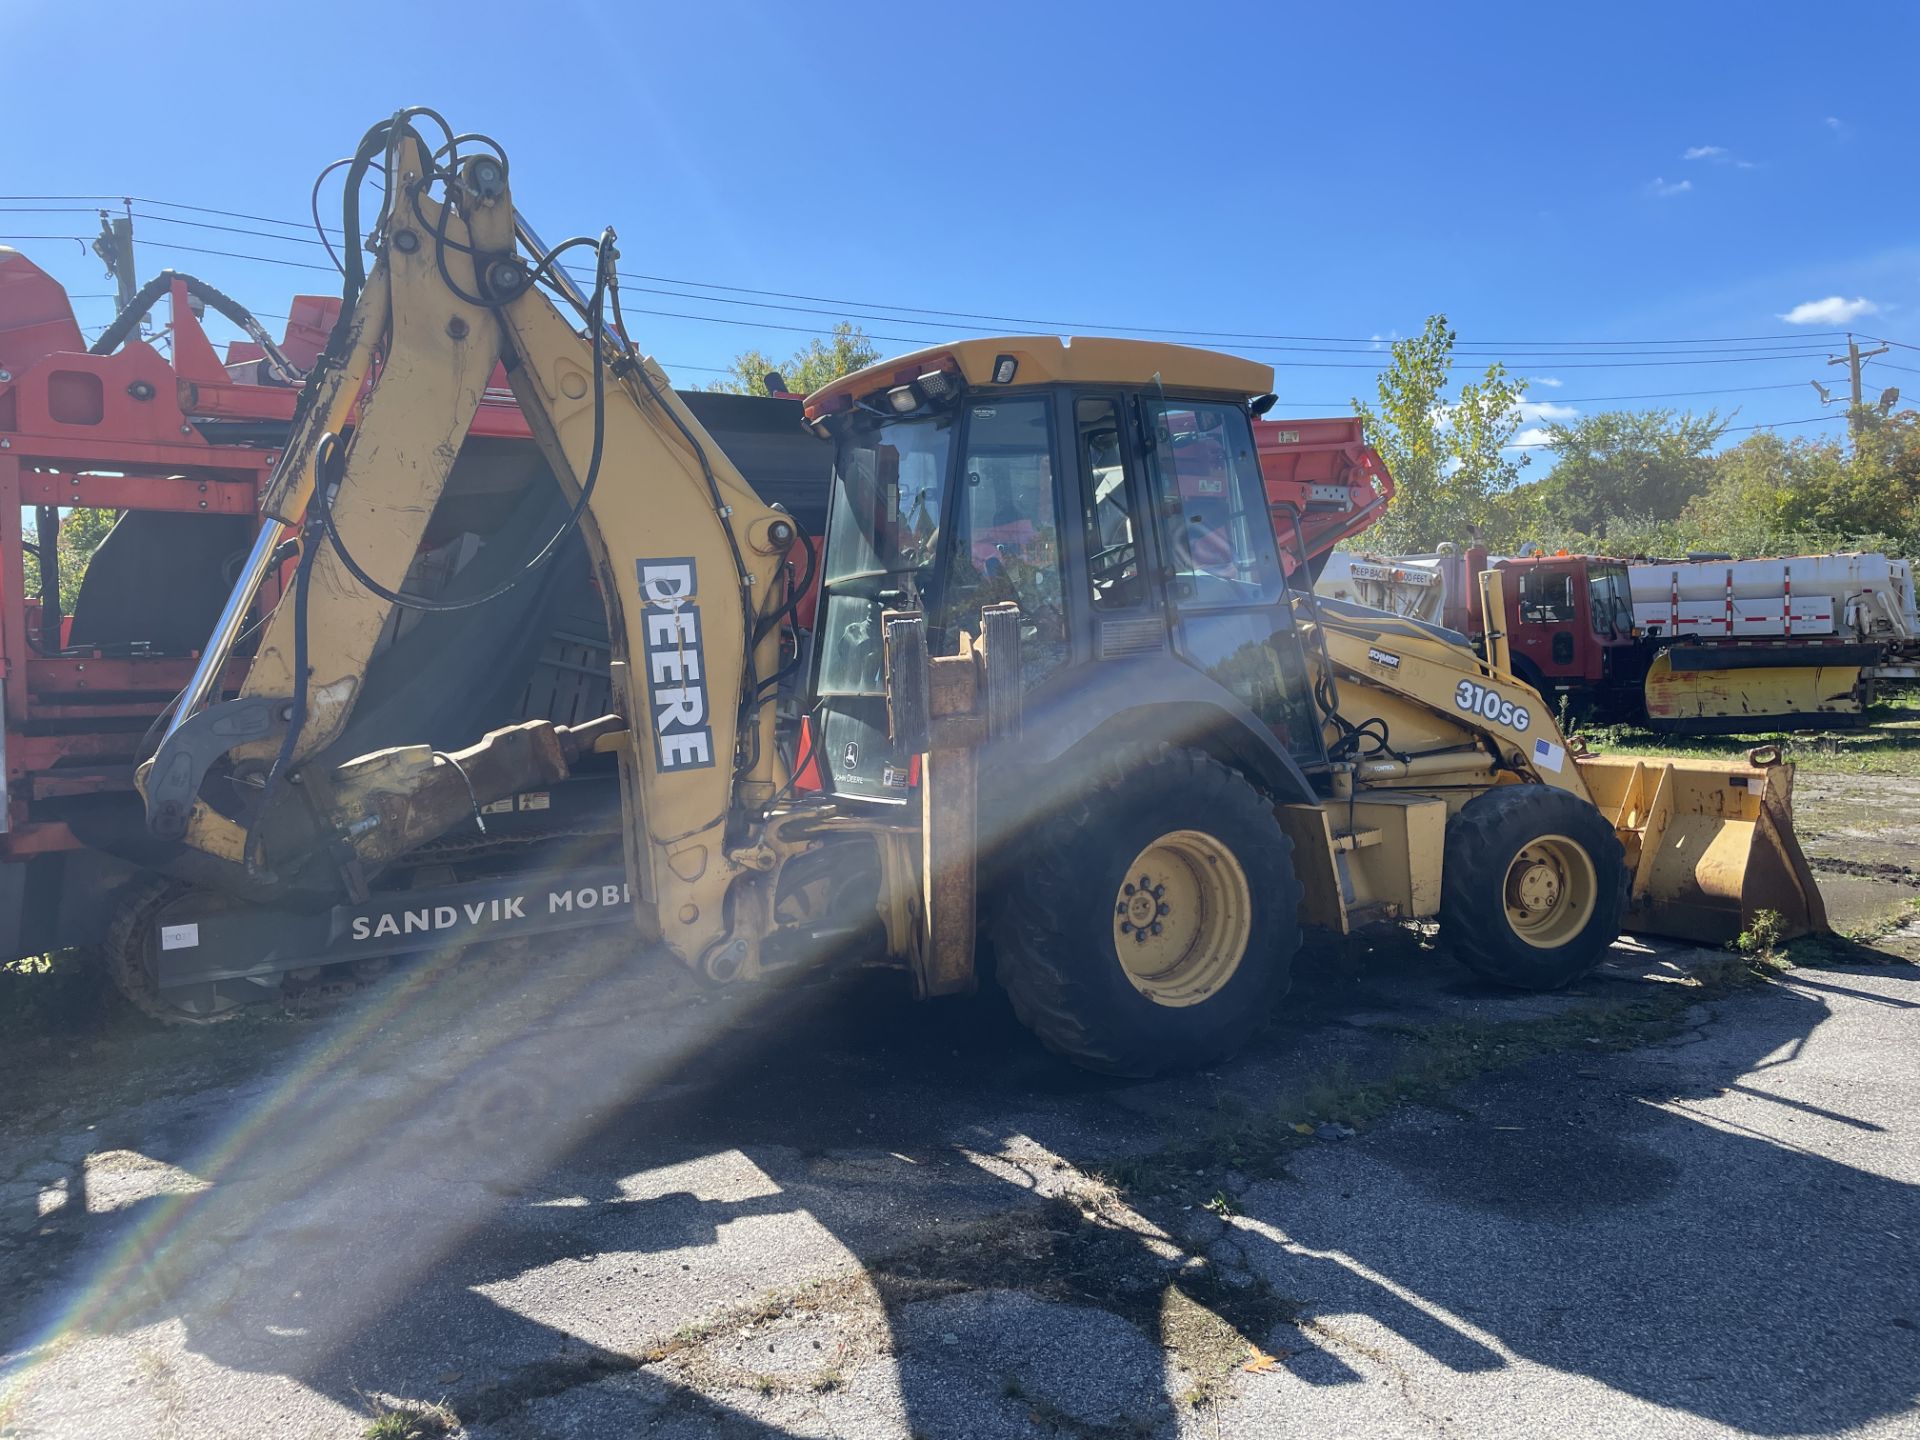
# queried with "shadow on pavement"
point(518, 1202)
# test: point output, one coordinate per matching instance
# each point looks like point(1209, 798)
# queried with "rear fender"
point(1147, 701)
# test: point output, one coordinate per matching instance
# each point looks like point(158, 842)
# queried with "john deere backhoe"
point(1061, 692)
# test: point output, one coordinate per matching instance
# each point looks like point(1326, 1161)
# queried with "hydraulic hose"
point(148, 296)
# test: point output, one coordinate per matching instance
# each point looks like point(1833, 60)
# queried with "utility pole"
point(115, 248)
point(1853, 360)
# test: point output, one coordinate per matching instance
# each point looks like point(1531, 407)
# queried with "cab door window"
point(1007, 524)
point(1215, 529)
point(1113, 531)
point(1546, 597)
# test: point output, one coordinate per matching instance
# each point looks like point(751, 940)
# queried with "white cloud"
point(1834, 310)
point(1546, 380)
point(1718, 155)
point(1836, 124)
point(1531, 411)
point(1530, 438)
point(1661, 187)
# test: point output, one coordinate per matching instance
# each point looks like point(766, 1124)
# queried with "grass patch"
point(1887, 744)
point(1433, 1059)
point(64, 993)
point(409, 1421)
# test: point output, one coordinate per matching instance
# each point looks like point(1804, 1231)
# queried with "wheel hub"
point(1143, 908)
point(1182, 918)
point(1539, 888)
point(1551, 891)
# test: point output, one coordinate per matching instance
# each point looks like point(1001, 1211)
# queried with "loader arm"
point(1709, 844)
point(690, 563)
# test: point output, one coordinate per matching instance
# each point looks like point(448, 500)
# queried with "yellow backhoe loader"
point(1062, 688)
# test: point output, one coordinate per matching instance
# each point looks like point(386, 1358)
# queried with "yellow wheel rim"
point(1182, 918)
point(1551, 890)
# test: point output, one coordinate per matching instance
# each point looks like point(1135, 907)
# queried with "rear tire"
point(1533, 886)
point(1133, 978)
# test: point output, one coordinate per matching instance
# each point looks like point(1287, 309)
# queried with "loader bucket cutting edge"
point(1709, 846)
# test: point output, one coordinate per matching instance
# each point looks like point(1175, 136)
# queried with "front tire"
point(1533, 886)
point(1149, 922)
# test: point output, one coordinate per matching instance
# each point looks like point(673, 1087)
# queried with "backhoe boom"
point(690, 563)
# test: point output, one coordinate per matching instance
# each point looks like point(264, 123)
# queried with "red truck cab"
point(1570, 623)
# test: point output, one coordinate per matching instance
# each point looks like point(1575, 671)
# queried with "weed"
point(62, 993)
point(1222, 1205)
point(1760, 942)
point(409, 1421)
point(1331, 1096)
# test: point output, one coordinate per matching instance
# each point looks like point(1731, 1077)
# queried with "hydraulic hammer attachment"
point(1710, 844)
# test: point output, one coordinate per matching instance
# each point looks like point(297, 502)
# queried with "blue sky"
point(1555, 179)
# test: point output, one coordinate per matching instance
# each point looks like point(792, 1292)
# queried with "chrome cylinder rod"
point(226, 630)
point(536, 249)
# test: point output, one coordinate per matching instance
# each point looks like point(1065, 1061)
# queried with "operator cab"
point(1110, 488)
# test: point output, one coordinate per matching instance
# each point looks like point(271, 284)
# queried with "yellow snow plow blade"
point(1699, 690)
point(1710, 844)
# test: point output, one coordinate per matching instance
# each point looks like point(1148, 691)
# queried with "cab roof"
point(1053, 359)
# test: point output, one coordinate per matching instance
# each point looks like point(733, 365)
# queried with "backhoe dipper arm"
point(690, 563)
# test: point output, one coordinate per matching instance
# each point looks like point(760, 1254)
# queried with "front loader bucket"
point(1709, 845)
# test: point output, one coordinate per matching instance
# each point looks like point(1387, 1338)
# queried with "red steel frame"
point(118, 432)
point(109, 431)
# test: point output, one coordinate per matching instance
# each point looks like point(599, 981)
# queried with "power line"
point(1729, 430)
point(1602, 399)
point(922, 340)
point(1795, 351)
point(1669, 357)
point(1049, 326)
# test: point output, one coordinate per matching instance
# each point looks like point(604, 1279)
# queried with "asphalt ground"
point(564, 1193)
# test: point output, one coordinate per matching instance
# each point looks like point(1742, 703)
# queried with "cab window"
point(1211, 504)
point(1611, 600)
point(1007, 541)
point(1546, 597)
point(1113, 546)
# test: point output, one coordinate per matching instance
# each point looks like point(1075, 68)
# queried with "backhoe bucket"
point(1710, 845)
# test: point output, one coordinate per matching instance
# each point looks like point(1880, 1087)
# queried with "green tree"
point(1449, 459)
point(1877, 492)
point(1756, 500)
point(806, 370)
point(1770, 495)
point(81, 532)
point(1640, 467)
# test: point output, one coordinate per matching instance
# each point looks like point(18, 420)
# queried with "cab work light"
point(903, 398)
point(1004, 369)
point(936, 385)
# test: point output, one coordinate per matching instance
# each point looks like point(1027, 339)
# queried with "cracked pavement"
point(570, 1198)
